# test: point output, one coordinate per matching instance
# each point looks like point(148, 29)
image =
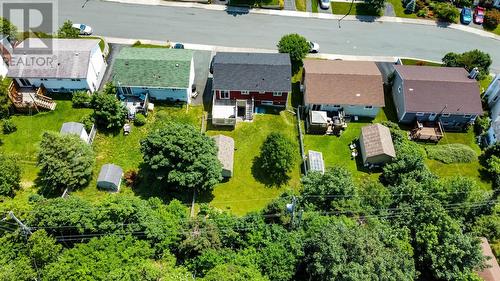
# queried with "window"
point(495, 99)
point(467, 115)
point(368, 107)
point(266, 102)
point(445, 115)
point(44, 79)
point(336, 105)
point(245, 92)
point(277, 94)
point(262, 92)
point(420, 114)
point(399, 89)
point(224, 95)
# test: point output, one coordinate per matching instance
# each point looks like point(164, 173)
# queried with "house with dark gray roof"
point(110, 177)
point(436, 94)
point(243, 81)
point(69, 65)
point(157, 73)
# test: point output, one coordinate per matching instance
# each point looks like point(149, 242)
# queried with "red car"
point(478, 15)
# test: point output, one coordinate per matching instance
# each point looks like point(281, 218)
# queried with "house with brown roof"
point(376, 145)
point(430, 94)
point(492, 270)
point(354, 87)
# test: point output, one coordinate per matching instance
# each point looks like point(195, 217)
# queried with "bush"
point(130, 177)
point(464, 3)
point(88, 122)
point(139, 120)
point(81, 99)
point(445, 11)
point(491, 19)
point(8, 126)
point(10, 177)
point(277, 156)
point(109, 113)
point(481, 125)
point(451, 153)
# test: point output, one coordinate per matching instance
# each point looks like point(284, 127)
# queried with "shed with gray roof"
point(376, 144)
point(110, 177)
point(75, 128)
point(225, 154)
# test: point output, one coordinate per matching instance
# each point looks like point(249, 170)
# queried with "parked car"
point(84, 29)
point(178, 46)
point(478, 15)
point(466, 15)
point(324, 4)
point(313, 47)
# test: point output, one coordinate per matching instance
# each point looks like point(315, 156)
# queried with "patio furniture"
point(127, 129)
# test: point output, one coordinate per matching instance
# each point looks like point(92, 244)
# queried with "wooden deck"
point(427, 131)
point(28, 99)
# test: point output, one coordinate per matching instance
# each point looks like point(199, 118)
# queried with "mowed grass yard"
point(244, 193)
point(25, 141)
point(361, 9)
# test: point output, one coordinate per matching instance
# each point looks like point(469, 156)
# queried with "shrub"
point(481, 125)
point(8, 126)
point(81, 99)
point(420, 5)
point(130, 177)
point(464, 3)
point(491, 19)
point(136, 43)
point(67, 30)
point(445, 11)
point(109, 113)
point(469, 60)
point(88, 122)
point(10, 177)
point(277, 156)
point(451, 153)
point(139, 120)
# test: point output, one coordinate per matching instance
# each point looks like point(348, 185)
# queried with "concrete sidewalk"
point(325, 16)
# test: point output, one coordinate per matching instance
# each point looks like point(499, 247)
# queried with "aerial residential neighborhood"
point(250, 140)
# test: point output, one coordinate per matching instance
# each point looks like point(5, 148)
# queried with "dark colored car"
point(179, 46)
point(466, 16)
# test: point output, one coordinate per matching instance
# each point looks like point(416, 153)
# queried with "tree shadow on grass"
point(297, 95)
point(265, 177)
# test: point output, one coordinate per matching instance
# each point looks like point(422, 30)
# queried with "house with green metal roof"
point(157, 73)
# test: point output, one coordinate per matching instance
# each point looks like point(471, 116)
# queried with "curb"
point(324, 16)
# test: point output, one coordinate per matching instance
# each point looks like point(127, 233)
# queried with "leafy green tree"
point(491, 19)
point(445, 11)
point(65, 161)
point(333, 190)
point(107, 258)
point(231, 272)
point(184, 156)
point(339, 249)
point(277, 157)
point(490, 160)
point(10, 175)
point(409, 163)
point(375, 5)
point(43, 248)
point(489, 225)
point(15, 263)
point(140, 119)
point(109, 113)
point(374, 197)
point(81, 99)
point(7, 28)
point(469, 60)
point(67, 30)
point(8, 126)
point(295, 45)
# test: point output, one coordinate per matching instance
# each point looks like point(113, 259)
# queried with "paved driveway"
point(201, 68)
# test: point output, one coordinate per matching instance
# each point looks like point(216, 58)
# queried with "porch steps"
point(249, 110)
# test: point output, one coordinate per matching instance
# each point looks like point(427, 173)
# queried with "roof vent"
point(76, 54)
point(358, 95)
point(410, 89)
point(176, 65)
point(126, 63)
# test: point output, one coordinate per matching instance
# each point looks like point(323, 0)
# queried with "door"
point(316, 107)
point(25, 82)
point(127, 91)
point(432, 116)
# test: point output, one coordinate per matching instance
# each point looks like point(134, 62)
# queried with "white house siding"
point(191, 81)
point(97, 67)
point(3, 69)
point(493, 92)
point(58, 85)
point(161, 93)
point(495, 121)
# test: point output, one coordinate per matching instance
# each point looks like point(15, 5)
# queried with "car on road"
point(478, 15)
point(324, 4)
point(313, 47)
point(178, 46)
point(83, 28)
point(465, 15)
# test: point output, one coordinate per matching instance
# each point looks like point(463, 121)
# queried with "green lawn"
point(244, 193)
point(464, 169)
point(314, 5)
point(336, 151)
point(254, 3)
point(361, 9)
point(124, 151)
point(400, 11)
point(24, 142)
point(484, 83)
point(419, 62)
point(300, 5)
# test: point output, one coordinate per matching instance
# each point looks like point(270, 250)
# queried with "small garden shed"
point(376, 144)
point(110, 177)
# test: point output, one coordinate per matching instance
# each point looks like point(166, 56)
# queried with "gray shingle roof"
point(377, 140)
point(110, 173)
point(252, 72)
point(70, 59)
point(72, 128)
point(439, 89)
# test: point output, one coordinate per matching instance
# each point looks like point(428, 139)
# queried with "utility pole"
point(26, 231)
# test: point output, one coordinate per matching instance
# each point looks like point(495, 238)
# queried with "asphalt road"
point(263, 31)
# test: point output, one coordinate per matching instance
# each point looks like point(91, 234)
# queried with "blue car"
point(466, 16)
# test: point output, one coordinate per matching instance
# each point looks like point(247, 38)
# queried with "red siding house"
point(244, 81)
